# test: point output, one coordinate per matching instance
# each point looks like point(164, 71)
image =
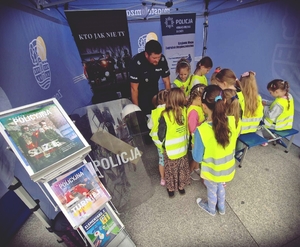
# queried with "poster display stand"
point(33, 205)
point(52, 151)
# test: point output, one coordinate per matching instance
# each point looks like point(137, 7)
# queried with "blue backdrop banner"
point(37, 65)
point(178, 33)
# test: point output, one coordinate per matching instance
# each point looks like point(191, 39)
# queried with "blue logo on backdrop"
point(169, 22)
point(178, 24)
point(142, 40)
point(41, 68)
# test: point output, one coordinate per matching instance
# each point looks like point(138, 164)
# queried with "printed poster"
point(178, 35)
point(41, 135)
point(79, 193)
point(102, 227)
point(102, 39)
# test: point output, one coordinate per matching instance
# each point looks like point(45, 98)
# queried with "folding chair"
point(277, 136)
point(249, 140)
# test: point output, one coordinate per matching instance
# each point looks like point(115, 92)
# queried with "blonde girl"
point(183, 71)
point(253, 107)
point(195, 117)
point(159, 101)
point(174, 135)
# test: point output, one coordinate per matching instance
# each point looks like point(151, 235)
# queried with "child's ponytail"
point(213, 98)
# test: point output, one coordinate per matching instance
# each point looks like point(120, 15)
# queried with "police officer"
point(146, 68)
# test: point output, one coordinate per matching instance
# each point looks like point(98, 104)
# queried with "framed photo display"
point(44, 139)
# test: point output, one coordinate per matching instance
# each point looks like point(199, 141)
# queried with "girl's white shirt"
point(276, 109)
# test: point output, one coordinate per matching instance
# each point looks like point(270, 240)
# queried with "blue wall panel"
point(17, 78)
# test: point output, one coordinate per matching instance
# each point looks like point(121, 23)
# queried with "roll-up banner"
point(102, 39)
point(178, 36)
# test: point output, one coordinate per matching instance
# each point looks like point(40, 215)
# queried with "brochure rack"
point(53, 151)
point(33, 205)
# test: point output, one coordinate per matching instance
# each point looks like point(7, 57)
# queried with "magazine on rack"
point(44, 139)
point(79, 193)
point(102, 227)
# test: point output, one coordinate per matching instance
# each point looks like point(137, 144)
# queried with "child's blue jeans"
point(215, 195)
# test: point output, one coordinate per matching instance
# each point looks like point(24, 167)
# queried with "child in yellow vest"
point(174, 135)
point(215, 147)
point(159, 102)
point(279, 114)
point(195, 117)
point(226, 78)
point(252, 113)
point(253, 107)
point(232, 108)
point(202, 68)
point(183, 71)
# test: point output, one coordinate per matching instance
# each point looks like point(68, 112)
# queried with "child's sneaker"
point(162, 182)
point(204, 206)
point(264, 144)
point(197, 171)
point(221, 211)
point(239, 155)
point(194, 176)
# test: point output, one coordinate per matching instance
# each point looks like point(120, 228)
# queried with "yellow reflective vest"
point(241, 100)
point(250, 124)
point(200, 114)
point(199, 110)
point(155, 116)
point(179, 83)
point(197, 79)
point(218, 164)
point(177, 136)
point(285, 120)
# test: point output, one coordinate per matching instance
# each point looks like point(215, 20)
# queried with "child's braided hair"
point(282, 85)
point(196, 91)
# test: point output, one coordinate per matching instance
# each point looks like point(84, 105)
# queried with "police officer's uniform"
point(147, 76)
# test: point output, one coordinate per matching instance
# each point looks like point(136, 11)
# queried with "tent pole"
point(205, 28)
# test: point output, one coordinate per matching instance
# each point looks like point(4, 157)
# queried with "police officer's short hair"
point(153, 46)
